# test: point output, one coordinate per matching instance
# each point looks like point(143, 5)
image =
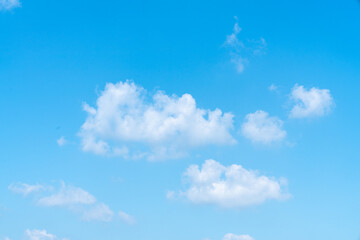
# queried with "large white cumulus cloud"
point(168, 125)
point(230, 186)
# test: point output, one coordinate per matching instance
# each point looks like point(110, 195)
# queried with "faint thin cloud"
point(231, 236)
point(170, 195)
point(39, 235)
point(127, 218)
point(69, 197)
point(61, 141)
point(99, 212)
point(241, 51)
point(117, 179)
point(26, 189)
point(7, 5)
point(273, 88)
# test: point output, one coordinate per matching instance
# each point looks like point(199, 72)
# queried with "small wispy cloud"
point(61, 141)
point(127, 218)
point(241, 51)
point(231, 236)
point(6, 5)
point(99, 212)
point(232, 39)
point(36, 234)
point(69, 197)
point(273, 88)
point(170, 195)
point(26, 189)
point(79, 201)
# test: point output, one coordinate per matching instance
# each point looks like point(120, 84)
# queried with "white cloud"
point(232, 39)
point(240, 52)
point(310, 103)
point(61, 141)
point(231, 186)
point(26, 189)
point(39, 235)
point(9, 4)
point(127, 218)
point(166, 125)
point(231, 236)
point(239, 62)
point(73, 198)
point(259, 127)
point(273, 88)
point(88, 109)
point(99, 212)
point(79, 201)
point(90, 144)
point(68, 195)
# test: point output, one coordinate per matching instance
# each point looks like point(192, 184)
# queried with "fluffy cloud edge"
point(231, 186)
point(167, 125)
point(314, 102)
point(260, 127)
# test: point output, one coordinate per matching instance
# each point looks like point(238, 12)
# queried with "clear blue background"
point(56, 54)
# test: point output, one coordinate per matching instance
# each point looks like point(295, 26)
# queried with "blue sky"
point(199, 120)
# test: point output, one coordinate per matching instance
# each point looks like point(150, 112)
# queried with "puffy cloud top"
point(310, 103)
point(127, 218)
point(231, 186)
point(169, 125)
point(260, 127)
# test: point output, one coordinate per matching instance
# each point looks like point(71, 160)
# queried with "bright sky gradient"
point(174, 120)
